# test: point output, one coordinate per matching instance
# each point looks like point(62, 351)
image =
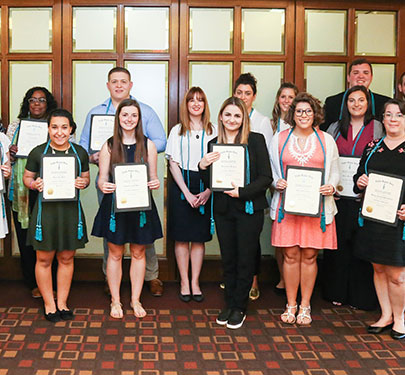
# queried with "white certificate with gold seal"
point(101, 128)
point(59, 173)
point(348, 168)
point(382, 198)
point(132, 192)
point(302, 196)
point(229, 168)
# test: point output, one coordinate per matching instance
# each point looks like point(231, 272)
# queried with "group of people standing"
point(298, 135)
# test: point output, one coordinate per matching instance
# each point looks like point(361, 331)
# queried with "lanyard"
point(356, 139)
point(108, 106)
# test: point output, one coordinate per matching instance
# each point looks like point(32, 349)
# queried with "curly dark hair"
point(25, 106)
point(315, 104)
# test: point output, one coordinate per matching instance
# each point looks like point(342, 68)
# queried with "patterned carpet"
point(186, 340)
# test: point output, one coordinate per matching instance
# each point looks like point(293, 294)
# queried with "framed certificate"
point(101, 128)
point(132, 192)
point(58, 173)
point(229, 168)
point(302, 196)
point(31, 134)
point(382, 198)
point(348, 168)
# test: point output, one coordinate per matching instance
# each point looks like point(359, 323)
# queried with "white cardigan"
point(332, 174)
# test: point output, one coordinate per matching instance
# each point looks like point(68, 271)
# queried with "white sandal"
point(304, 313)
point(139, 311)
point(116, 310)
point(288, 314)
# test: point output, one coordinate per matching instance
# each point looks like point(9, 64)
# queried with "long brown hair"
point(184, 115)
point(244, 130)
point(115, 143)
point(276, 114)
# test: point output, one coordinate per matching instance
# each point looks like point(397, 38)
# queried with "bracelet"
point(31, 185)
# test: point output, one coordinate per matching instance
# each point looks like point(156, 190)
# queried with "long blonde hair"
point(244, 130)
point(184, 115)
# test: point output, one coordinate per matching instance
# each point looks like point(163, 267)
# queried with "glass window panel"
point(153, 22)
point(151, 87)
point(372, 40)
point(317, 41)
point(323, 80)
point(24, 75)
point(269, 77)
point(211, 30)
point(94, 29)
point(263, 31)
point(383, 79)
point(215, 78)
point(89, 90)
point(27, 39)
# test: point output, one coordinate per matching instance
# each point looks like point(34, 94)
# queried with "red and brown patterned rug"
point(185, 339)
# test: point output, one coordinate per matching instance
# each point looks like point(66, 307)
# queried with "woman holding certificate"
point(303, 209)
point(128, 151)
point(36, 105)
point(189, 212)
point(380, 241)
point(346, 278)
point(239, 159)
point(58, 169)
point(284, 97)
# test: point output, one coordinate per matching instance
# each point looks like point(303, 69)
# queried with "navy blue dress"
point(127, 229)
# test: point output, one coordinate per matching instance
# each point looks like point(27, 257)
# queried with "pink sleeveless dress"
point(295, 230)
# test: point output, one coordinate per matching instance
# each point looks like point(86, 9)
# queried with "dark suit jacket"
point(260, 179)
point(333, 104)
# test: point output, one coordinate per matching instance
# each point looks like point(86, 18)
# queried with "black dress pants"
point(238, 235)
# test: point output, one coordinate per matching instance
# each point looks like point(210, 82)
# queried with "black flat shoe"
point(397, 335)
point(198, 297)
point(378, 330)
point(66, 314)
point(52, 317)
point(185, 297)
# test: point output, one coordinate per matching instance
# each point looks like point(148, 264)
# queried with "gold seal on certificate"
point(230, 168)
point(31, 134)
point(132, 192)
point(382, 198)
point(101, 128)
point(59, 173)
point(302, 196)
point(348, 168)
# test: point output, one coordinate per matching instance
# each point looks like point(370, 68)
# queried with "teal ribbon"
point(182, 197)
point(360, 219)
point(281, 208)
point(11, 187)
point(38, 228)
point(356, 140)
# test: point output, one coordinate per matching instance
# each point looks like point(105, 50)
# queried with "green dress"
point(59, 219)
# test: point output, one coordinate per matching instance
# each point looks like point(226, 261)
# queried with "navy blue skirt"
point(187, 224)
point(127, 228)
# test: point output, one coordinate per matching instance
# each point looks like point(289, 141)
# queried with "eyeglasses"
point(36, 100)
point(299, 112)
point(394, 116)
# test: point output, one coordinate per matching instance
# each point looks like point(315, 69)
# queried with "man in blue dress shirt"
point(119, 85)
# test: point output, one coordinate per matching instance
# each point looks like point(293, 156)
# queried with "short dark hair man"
point(360, 73)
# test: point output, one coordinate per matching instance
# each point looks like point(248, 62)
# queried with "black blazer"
point(333, 104)
point(260, 179)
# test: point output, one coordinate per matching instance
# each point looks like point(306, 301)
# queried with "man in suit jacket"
point(360, 73)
